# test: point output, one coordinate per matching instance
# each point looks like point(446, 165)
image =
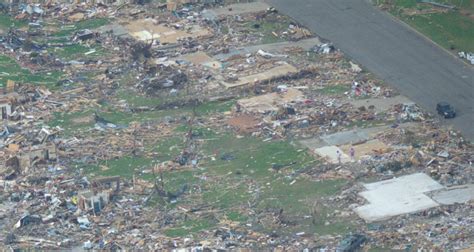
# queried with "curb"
point(398, 20)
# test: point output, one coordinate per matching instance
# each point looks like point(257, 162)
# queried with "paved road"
point(420, 70)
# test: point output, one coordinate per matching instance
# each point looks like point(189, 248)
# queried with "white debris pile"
point(468, 56)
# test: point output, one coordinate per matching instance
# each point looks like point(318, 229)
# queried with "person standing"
point(352, 153)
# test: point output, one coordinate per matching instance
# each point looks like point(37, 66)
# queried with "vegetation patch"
point(450, 28)
point(10, 70)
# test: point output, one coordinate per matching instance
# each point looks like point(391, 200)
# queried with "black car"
point(446, 110)
point(351, 243)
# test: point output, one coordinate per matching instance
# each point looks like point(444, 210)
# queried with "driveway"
point(408, 61)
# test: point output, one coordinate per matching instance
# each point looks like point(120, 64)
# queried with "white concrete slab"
point(313, 143)
point(200, 58)
point(277, 48)
point(397, 196)
point(349, 137)
point(270, 102)
point(330, 153)
point(272, 73)
point(370, 147)
point(453, 195)
point(352, 136)
point(116, 29)
point(149, 29)
point(381, 104)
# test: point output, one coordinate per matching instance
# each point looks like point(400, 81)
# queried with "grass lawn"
point(263, 174)
point(91, 24)
point(335, 89)
point(190, 226)
point(7, 21)
point(266, 29)
point(450, 30)
point(10, 70)
point(77, 52)
point(234, 172)
point(453, 29)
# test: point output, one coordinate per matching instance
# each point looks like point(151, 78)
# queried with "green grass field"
point(229, 186)
point(452, 29)
point(7, 22)
point(10, 70)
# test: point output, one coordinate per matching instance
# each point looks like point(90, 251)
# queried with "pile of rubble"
point(156, 83)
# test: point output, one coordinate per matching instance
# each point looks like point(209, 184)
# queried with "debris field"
point(150, 125)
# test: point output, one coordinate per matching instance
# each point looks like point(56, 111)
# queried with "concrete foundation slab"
point(349, 137)
point(201, 58)
point(116, 29)
point(278, 48)
point(453, 195)
point(272, 73)
point(397, 196)
point(330, 153)
point(352, 136)
point(381, 104)
point(270, 102)
point(367, 148)
point(313, 143)
point(148, 29)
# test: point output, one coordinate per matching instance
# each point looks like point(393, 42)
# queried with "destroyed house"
point(8, 88)
point(35, 154)
point(112, 182)
point(8, 98)
point(84, 35)
point(103, 189)
point(7, 103)
point(93, 201)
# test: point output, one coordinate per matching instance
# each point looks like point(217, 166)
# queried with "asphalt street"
point(414, 65)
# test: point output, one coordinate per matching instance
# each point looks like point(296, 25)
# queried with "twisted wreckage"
point(212, 125)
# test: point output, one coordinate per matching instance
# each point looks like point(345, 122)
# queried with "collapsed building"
point(179, 126)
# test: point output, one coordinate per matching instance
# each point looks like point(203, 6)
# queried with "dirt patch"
point(434, 10)
point(83, 120)
point(270, 102)
point(368, 148)
point(244, 123)
point(467, 13)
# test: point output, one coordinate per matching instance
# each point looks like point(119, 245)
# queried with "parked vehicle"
point(446, 110)
point(351, 243)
